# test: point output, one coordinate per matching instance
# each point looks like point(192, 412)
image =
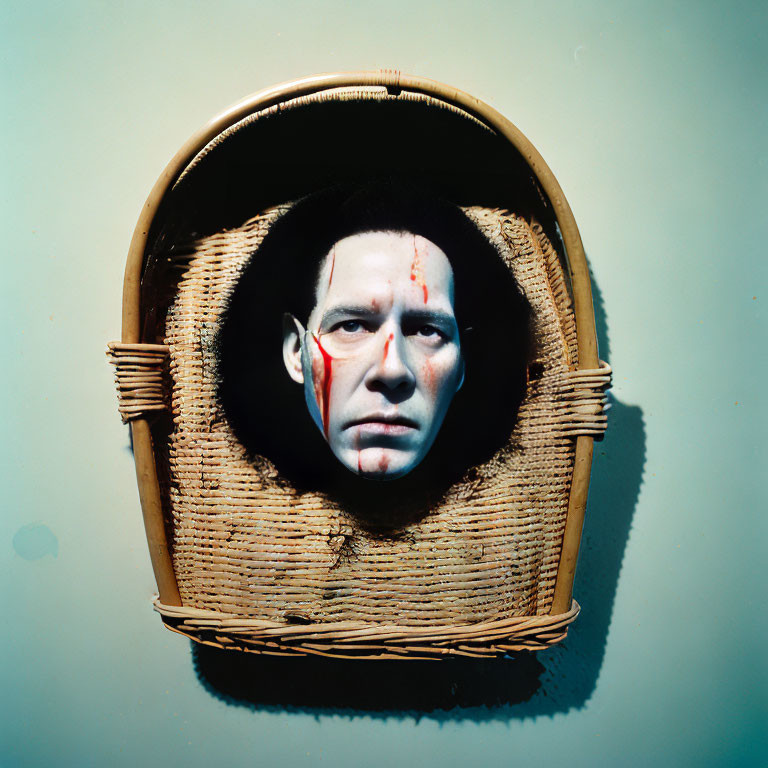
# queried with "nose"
point(390, 372)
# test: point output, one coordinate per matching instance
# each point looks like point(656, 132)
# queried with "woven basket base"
point(364, 640)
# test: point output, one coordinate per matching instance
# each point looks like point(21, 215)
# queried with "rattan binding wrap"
point(140, 378)
point(356, 639)
point(261, 567)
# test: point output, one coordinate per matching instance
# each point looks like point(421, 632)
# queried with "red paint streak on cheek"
point(324, 378)
point(429, 377)
point(384, 462)
point(359, 452)
point(318, 372)
point(387, 343)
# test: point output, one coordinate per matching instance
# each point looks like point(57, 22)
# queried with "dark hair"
point(266, 409)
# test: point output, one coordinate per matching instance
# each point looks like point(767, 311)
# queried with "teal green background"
point(653, 117)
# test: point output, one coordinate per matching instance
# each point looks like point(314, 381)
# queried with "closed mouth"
point(379, 422)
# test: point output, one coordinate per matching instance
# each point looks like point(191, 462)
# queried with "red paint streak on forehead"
point(323, 391)
point(333, 265)
point(417, 270)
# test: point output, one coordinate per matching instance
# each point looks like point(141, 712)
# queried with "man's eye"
point(351, 326)
point(427, 331)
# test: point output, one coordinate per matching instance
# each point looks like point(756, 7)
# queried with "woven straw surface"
point(248, 545)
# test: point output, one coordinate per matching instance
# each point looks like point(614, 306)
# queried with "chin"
point(379, 463)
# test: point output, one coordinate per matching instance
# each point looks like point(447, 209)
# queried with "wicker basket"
point(244, 560)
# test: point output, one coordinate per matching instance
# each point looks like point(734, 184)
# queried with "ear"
point(293, 333)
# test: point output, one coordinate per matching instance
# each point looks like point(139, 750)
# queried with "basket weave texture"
point(263, 567)
point(247, 545)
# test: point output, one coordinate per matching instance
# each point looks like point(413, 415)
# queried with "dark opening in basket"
point(267, 412)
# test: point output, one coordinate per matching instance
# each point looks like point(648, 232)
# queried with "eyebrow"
point(345, 310)
point(358, 310)
point(431, 316)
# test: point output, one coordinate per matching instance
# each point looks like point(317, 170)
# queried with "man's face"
point(380, 359)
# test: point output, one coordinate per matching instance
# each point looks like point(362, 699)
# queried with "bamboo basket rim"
point(394, 82)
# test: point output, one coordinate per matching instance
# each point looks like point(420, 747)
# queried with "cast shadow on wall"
point(525, 685)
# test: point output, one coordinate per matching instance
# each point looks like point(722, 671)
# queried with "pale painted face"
point(380, 360)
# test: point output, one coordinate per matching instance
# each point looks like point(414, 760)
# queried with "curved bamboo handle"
point(394, 82)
